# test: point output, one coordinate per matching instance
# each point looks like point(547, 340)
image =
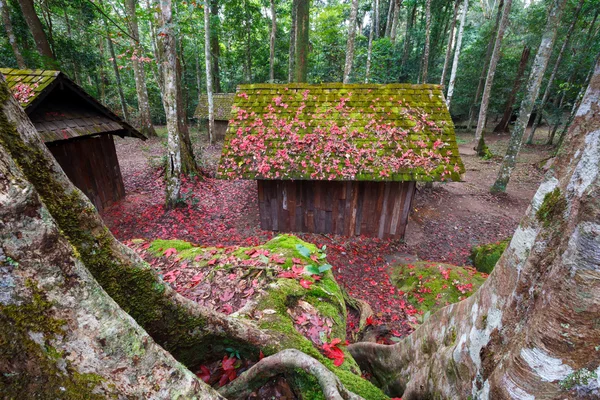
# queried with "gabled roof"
point(222, 106)
point(64, 115)
point(394, 132)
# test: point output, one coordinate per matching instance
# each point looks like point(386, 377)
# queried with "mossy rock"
point(485, 257)
point(430, 286)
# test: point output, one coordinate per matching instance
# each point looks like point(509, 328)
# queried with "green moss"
point(29, 365)
point(485, 257)
point(552, 209)
point(581, 377)
point(428, 290)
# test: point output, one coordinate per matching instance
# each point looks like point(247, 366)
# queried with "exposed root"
point(287, 361)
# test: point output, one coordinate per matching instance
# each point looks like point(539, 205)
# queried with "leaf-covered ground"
point(445, 222)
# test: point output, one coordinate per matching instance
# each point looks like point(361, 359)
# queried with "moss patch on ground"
point(430, 286)
point(485, 257)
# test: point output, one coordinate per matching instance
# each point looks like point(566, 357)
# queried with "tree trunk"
point(188, 160)
point(209, 88)
point(146, 126)
point(301, 45)
point(533, 87)
point(554, 72)
point(4, 10)
point(102, 72)
point(427, 40)
point(461, 29)
point(395, 20)
point(480, 147)
point(215, 49)
point(530, 330)
point(37, 31)
point(409, 24)
point(389, 20)
point(113, 56)
point(272, 43)
point(293, 29)
point(450, 40)
point(350, 43)
point(377, 17)
point(248, 58)
point(484, 70)
point(508, 108)
point(370, 48)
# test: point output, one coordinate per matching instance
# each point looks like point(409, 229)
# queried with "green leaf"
point(263, 259)
point(312, 269)
point(322, 256)
point(395, 339)
point(324, 268)
point(324, 248)
point(304, 251)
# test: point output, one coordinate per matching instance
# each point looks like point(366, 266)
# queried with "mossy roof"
point(393, 132)
point(60, 109)
point(222, 106)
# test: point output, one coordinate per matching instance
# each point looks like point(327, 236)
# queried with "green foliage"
point(485, 257)
point(581, 377)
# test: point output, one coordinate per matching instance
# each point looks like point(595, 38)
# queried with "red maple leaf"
point(169, 252)
point(204, 373)
point(305, 283)
point(333, 352)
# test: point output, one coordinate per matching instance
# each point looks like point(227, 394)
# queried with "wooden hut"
point(337, 158)
point(77, 129)
point(222, 103)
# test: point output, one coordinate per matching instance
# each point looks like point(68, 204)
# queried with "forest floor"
point(446, 221)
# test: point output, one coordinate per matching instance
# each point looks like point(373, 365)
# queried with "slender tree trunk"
point(370, 48)
point(146, 126)
point(350, 43)
point(272, 43)
point(395, 20)
point(102, 72)
point(407, 38)
point(389, 20)
point(37, 31)
point(484, 70)
point(427, 40)
point(377, 17)
point(209, 80)
point(461, 29)
point(4, 10)
point(508, 107)
point(533, 87)
point(248, 59)
point(113, 56)
point(554, 72)
point(74, 65)
point(489, 81)
point(302, 27)
point(215, 49)
point(530, 330)
point(188, 160)
point(292, 55)
point(450, 40)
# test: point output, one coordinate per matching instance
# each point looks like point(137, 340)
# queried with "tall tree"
point(425, 61)
point(292, 53)
point(512, 97)
point(370, 48)
point(350, 43)
point(540, 63)
point(169, 69)
point(10, 34)
point(389, 21)
point(377, 17)
point(113, 57)
point(301, 45)
point(146, 126)
point(450, 42)
point(37, 31)
point(395, 20)
point(461, 29)
point(507, 341)
point(209, 80)
point(272, 43)
point(410, 21)
point(548, 89)
point(215, 48)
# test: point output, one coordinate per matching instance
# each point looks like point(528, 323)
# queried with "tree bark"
point(113, 56)
point(484, 70)
point(508, 107)
point(146, 126)
point(301, 45)
point(546, 95)
point(272, 43)
point(292, 54)
point(425, 60)
point(248, 58)
point(350, 43)
point(389, 20)
point(533, 87)
point(215, 49)
point(188, 159)
point(209, 80)
point(395, 20)
point(409, 24)
point(450, 42)
point(377, 17)
point(529, 331)
point(37, 31)
point(489, 81)
point(4, 10)
point(370, 48)
point(461, 29)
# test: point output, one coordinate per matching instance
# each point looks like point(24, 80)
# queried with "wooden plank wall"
point(91, 164)
point(377, 209)
point(220, 129)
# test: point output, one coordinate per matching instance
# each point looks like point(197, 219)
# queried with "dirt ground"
point(446, 221)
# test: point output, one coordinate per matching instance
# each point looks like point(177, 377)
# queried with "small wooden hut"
point(76, 128)
point(222, 103)
point(337, 158)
